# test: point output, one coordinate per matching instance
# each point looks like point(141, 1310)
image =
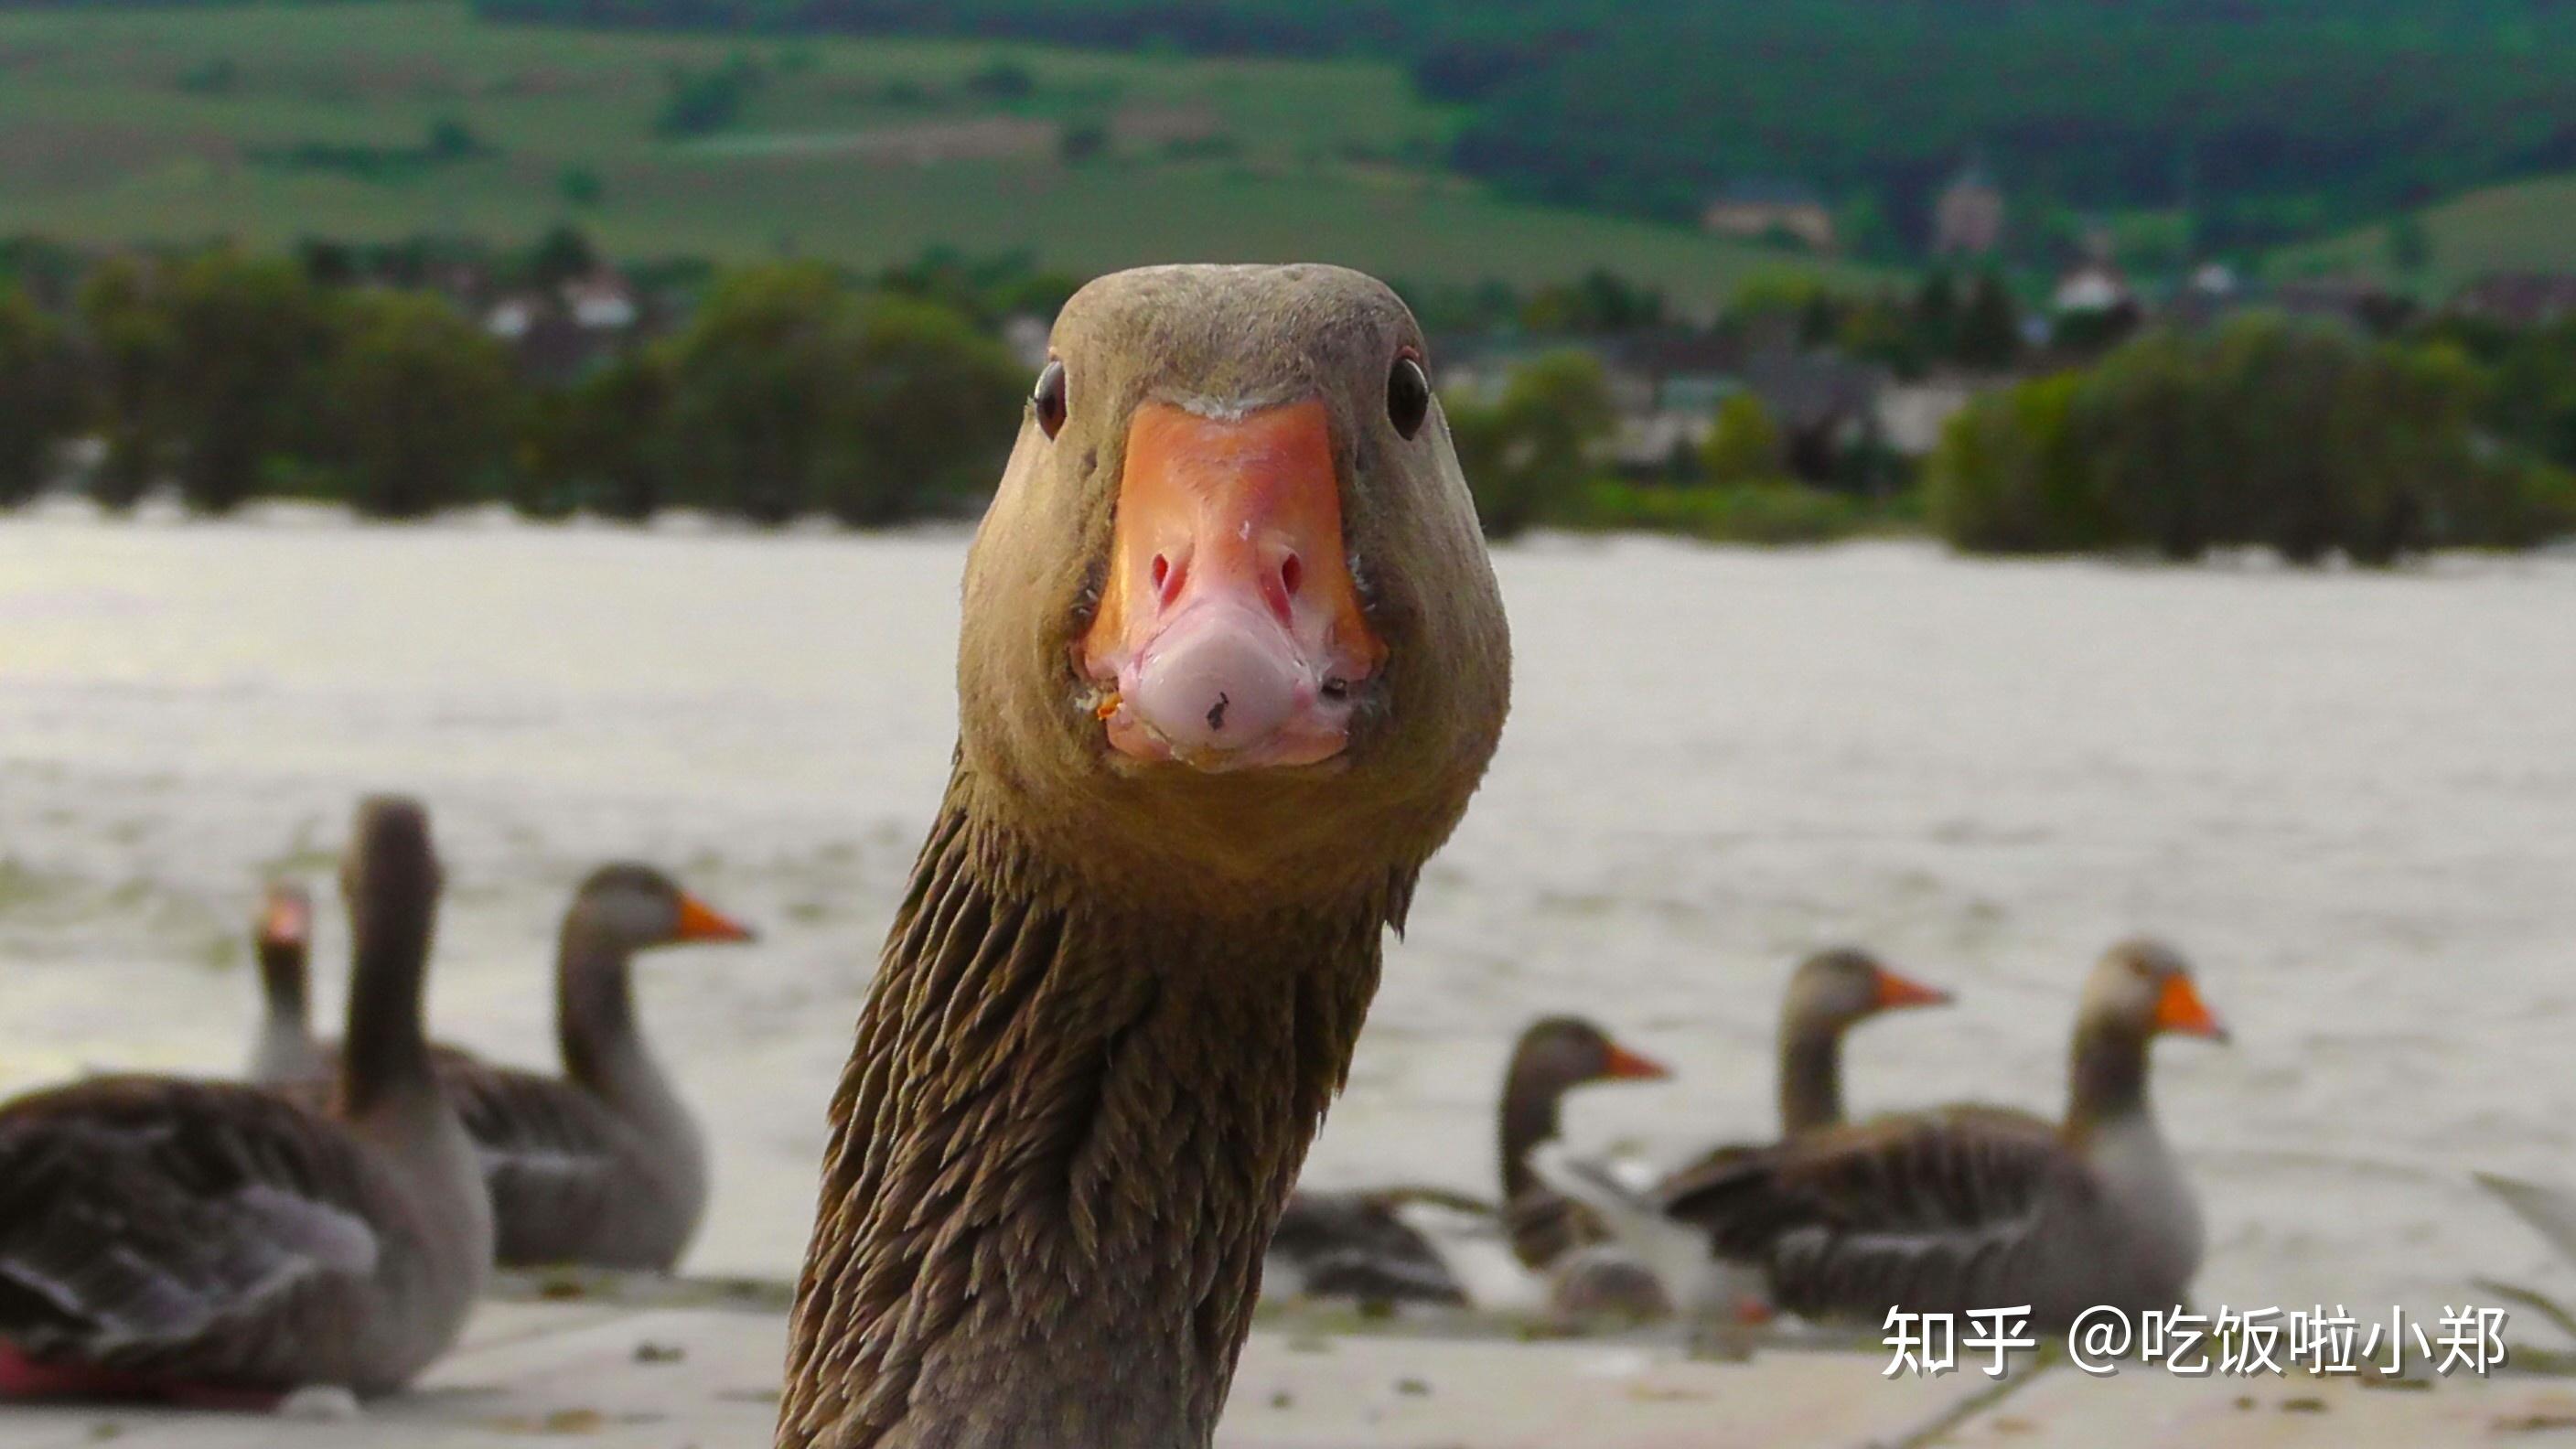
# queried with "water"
point(2351, 798)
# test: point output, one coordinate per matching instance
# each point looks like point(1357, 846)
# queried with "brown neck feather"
point(594, 999)
point(1532, 1112)
point(1058, 1152)
point(1811, 1077)
point(283, 977)
point(386, 1059)
point(2108, 1079)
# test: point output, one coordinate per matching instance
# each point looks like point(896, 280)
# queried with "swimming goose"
point(284, 1048)
point(1231, 663)
point(604, 1165)
point(1975, 1207)
point(1400, 1244)
point(214, 1242)
point(1829, 993)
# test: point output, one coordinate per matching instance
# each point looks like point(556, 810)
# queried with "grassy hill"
point(2528, 226)
point(268, 123)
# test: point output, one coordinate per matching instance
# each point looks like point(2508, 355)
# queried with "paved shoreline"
point(608, 1374)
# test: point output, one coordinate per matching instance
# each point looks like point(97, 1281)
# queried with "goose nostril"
point(1292, 571)
point(1166, 580)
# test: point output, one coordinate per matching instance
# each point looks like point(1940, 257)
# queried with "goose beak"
point(1623, 1065)
point(1229, 634)
point(702, 922)
point(2180, 1010)
point(288, 920)
point(1896, 991)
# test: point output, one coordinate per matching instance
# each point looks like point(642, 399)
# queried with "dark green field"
point(271, 123)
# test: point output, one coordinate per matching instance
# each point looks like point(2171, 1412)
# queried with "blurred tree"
point(1081, 141)
point(562, 255)
point(753, 385)
point(1530, 453)
point(600, 443)
point(1745, 445)
point(924, 402)
point(423, 404)
point(40, 395)
point(2410, 245)
point(244, 337)
point(1990, 327)
point(580, 185)
point(133, 342)
point(1936, 314)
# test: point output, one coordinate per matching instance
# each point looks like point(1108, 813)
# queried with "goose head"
point(1229, 628)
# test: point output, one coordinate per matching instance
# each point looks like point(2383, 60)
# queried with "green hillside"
point(271, 123)
point(2526, 227)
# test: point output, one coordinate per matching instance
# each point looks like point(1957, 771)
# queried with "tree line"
point(789, 391)
point(2268, 431)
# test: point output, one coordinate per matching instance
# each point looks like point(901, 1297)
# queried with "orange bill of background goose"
point(211, 1242)
point(604, 1165)
point(1975, 1207)
point(1408, 1244)
point(1232, 660)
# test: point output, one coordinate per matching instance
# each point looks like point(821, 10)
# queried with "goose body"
point(211, 1241)
point(1231, 663)
point(1398, 1245)
point(1976, 1208)
point(604, 1165)
point(1829, 994)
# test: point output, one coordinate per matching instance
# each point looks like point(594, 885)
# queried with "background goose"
point(1410, 1244)
point(1973, 1207)
point(1828, 994)
point(284, 1049)
point(208, 1241)
point(605, 1165)
point(1231, 663)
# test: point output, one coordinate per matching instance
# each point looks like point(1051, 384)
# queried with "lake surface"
point(2351, 798)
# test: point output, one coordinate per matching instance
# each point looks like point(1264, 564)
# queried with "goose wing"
point(1920, 1210)
point(558, 1162)
point(194, 1230)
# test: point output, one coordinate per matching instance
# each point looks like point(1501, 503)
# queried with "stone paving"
point(657, 1376)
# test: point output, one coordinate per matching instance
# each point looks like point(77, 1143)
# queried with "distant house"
point(601, 302)
point(557, 336)
point(2092, 286)
point(516, 316)
point(1968, 217)
point(2519, 299)
point(1027, 335)
point(1765, 210)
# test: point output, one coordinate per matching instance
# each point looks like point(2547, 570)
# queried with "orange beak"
point(1896, 991)
point(702, 922)
point(1623, 1065)
point(2180, 1010)
point(1230, 633)
point(289, 918)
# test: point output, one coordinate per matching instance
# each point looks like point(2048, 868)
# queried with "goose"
point(1829, 993)
point(1231, 662)
point(603, 1166)
point(1972, 1207)
point(284, 1048)
point(211, 1242)
point(1408, 1244)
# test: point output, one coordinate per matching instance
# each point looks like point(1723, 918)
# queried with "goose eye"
point(1408, 394)
point(1047, 401)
